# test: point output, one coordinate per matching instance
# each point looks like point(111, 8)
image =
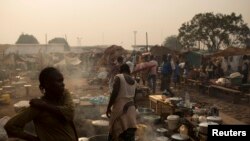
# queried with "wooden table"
point(236, 93)
point(193, 82)
point(159, 105)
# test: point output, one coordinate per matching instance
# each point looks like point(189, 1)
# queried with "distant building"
point(84, 49)
point(142, 48)
point(24, 49)
point(2, 49)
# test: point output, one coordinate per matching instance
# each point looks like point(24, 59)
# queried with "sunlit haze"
point(98, 22)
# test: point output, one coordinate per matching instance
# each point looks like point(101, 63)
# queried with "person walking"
point(152, 74)
point(121, 109)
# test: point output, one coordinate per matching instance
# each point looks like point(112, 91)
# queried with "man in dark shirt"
point(52, 114)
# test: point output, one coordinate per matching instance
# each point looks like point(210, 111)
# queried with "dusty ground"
point(79, 87)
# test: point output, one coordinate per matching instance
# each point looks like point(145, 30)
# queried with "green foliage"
point(172, 43)
point(214, 31)
point(60, 41)
point(27, 39)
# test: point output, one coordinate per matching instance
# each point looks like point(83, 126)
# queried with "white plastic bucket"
point(173, 121)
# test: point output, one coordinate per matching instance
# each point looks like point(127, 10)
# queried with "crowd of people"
point(170, 69)
point(214, 70)
point(53, 113)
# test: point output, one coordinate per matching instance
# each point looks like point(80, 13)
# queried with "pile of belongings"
point(222, 81)
point(102, 73)
point(235, 75)
point(111, 53)
point(236, 78)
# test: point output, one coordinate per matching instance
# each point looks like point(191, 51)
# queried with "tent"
point(231, 51)
point(195, 58)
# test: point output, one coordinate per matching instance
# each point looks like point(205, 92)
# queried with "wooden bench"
point(193, 82)
point(236, 93)
point(203, 88)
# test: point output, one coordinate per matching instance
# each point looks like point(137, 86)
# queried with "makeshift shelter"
point(9, 59)
point(231, 56)
point(69, 61)
point(195, 58)
point(34, 48)
point(232, 51)
point(61, 63)
point(27, 62)
point(73, 61)
point(111, 53)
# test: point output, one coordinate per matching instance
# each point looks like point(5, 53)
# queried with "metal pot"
point(102, 137)
point(101, 126)
point(102, 123)
point(104, 116)
point(141, 112)
point(180, 137)
point(83, 139)
point(150, 118)
point(216, 119)
point(161, 138)
point(203, 127)
point(144, 111)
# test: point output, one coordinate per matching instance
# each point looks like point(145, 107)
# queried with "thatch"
point(111, 53)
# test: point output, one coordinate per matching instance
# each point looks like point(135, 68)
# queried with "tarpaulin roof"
point(232, 51)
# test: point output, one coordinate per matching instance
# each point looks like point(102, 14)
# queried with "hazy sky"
point(106, 21)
